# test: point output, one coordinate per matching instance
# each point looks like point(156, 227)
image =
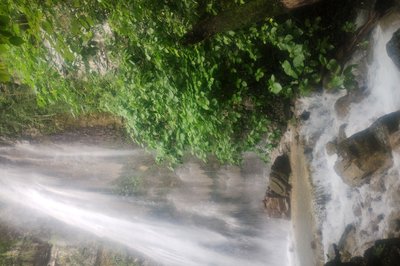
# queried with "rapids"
point(335, 202)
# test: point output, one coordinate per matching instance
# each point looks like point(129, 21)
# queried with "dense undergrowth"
point(226, 95)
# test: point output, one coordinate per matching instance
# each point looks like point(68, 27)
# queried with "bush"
point(220, 97)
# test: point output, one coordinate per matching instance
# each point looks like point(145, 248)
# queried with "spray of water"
point(323, 126)
point(192, 217)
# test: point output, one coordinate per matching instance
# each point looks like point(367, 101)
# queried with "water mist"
point(197, 215)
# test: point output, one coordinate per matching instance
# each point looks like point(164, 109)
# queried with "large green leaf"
point(298, 61)
point(289, 70)
point(274, 87)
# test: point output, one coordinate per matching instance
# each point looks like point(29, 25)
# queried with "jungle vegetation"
point(222, 94)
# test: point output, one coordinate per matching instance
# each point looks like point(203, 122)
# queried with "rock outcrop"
point(277, 198)
point(393, 48)
point(385, 252)
point(40, 248)
point(368, 152)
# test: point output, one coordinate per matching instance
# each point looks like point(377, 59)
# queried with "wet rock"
point(378, 184)
point(337, 259)
point(384, 253)
point(279, 177)
point(360, 156)
point(90, 254)
point(393, 48)
point(395, 140)
point(367, 152)
point(277, 198)
point(394, 225)
point(277, 206)
point(331, 147)
point(342, 133)
point(305, 115)
point(347, 242)
point(22, 249)
point(342, 105)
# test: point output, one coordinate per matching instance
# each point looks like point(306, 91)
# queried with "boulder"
point(337, 260)
point(393, 48)
point(367, 152)
point(384, 252)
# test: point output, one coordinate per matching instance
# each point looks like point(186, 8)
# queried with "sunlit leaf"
point(276, 88)
point(289, 70)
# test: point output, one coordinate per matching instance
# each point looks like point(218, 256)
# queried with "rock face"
point(384, 253)
point(277, 198)
point(40, 249)
point(368, 152)
point(277, 207)
point(393, 48)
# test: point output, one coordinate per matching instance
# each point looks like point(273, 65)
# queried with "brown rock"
point(395, 140)
point(277, 198)
point(367, 152)
point(277, 207)
point(331, 147)
point(347, 242)
point(342, 105)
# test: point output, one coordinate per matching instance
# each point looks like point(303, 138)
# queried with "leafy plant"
point(222, 97)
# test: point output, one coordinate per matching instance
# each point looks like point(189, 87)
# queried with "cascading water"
point(203, 215)
point(337, 204)
point(195, 216)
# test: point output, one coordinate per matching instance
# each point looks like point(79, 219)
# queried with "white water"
point(196, 216)
point(323, 126)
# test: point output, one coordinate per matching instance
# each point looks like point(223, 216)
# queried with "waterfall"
point(197, 215)
point(337, 204)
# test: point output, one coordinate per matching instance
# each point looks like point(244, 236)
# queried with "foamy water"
point(323, 126)
point(194, 216)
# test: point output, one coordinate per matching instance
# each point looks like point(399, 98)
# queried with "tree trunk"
point(242, 16)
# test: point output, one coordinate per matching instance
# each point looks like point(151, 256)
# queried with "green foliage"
point(8, 37)
point(306, 56)
point(220, 97)
point(128, 185)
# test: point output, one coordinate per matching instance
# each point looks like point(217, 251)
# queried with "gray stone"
point(393, 48)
